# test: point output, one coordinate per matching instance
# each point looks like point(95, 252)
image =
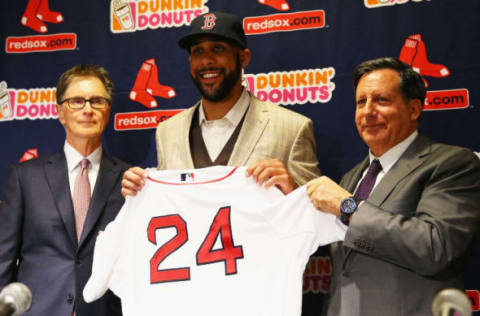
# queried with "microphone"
point(451, 302)
point(15, 299)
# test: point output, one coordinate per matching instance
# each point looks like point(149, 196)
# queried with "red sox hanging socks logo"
point(281, 5)
point(29, 154)
point(146, 86)
point(37, 12)
point(414, 53)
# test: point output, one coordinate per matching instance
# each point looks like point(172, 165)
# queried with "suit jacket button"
point(69, 298)
point(77, 261)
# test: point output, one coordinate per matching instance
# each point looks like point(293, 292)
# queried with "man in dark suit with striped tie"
point(54, 206)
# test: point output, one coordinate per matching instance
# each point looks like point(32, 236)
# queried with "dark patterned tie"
point(366, 186)
point(81, 196)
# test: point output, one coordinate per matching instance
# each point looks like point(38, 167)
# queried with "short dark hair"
point(83, 71)
point(412, 85)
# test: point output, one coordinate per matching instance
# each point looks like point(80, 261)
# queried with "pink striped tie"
point(81, 197)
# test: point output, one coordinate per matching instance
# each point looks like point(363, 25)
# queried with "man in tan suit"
point(228, 126)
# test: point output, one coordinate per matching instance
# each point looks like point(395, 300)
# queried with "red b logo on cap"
point(209, 21)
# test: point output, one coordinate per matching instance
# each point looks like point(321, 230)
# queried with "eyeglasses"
point(77, 103)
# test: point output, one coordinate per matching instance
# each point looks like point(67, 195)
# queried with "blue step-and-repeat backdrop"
point(303, 54)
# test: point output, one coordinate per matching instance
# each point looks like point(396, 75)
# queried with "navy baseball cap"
point(219, 24)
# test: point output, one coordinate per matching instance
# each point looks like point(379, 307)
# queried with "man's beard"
point(226, 86)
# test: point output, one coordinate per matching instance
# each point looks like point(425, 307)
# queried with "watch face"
point(348, 206)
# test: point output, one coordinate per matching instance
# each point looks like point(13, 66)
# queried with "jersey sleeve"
point(295, 214)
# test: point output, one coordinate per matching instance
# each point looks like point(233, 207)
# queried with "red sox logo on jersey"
point(209, 21)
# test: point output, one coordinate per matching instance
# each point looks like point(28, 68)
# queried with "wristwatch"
point(347, 208)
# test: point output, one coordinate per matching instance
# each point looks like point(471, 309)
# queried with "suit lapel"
point(253, 127)
point(349, 182)
point(107, 178)
point(56, 172)
point(408, 162)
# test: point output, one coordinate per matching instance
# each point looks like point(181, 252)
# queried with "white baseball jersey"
point(209, 242)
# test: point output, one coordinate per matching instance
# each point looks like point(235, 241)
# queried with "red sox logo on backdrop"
point(414, 53)
point(382, 3)
point(284, 22)
point(145, 88)
point(474, 297)
point(36, 14)
point(280, 5)
point(31, 153)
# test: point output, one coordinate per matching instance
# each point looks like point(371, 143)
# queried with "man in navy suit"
point(45, 242)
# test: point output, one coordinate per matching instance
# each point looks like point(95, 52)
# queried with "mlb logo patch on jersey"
point(187, 177)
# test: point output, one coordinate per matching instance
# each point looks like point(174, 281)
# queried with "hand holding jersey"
point(133, 181)
point(224, 246)
point(268, 172)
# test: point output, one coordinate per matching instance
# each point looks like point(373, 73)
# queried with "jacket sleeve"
point(11, 223)
point(428, 221)
point(302, 161)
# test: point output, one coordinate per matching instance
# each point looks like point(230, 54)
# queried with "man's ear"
point(245, 55)
point(415, 107)
point(61, 116)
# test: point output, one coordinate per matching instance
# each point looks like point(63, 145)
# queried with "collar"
point(389, 158)
point(234, 116)
point(74, 157)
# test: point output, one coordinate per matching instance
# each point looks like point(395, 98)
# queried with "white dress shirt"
point(217, 133)
point(73, 164)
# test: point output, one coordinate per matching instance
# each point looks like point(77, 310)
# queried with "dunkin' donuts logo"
point(316, 277)
point(284, 22)
point(33, 104)
point(382, 3)
point(293, 87)
point(131, 16)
